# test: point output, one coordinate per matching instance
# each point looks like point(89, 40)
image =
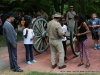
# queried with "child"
point(22, 24)
point(82, 38)
point(64, 28)
point(94, 26)
point(28, 41)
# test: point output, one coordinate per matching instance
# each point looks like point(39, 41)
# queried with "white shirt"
point(30, 34)
point(64, 28)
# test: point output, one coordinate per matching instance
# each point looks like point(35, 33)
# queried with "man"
point(55, 34)
point(44, 15)
point(11, 40)
point(69, 16)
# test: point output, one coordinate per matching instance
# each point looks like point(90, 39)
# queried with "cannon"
point(41, 37)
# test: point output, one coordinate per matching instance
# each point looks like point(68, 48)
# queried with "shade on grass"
point(2, 40)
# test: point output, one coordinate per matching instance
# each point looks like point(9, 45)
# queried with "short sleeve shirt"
point(30, 34)
point(94, 22)
point(64, 28)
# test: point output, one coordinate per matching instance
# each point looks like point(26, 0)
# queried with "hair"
point(80, 17)
point(57, 17)
point(62, 18)
point(94, 13)
point(27, 23)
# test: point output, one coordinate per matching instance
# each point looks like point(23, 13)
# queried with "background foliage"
point(85, 7)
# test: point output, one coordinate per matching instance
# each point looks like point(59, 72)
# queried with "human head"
point(28, 24)
point(94, 15)
point(71, 8)
point(79, 18)
point(62, 20)
point(10, 16)
point(51, 17)
point(57, 16)
point(23, 18)
point(42, 11)
point(38, 15)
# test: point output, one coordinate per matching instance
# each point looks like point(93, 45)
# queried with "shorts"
point(95, 35)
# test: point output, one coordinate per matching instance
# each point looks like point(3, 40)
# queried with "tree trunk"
point(62, 7)
point(56, 6)
point(82, 4)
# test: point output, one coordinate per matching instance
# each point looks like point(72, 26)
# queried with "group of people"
point(10, 36)
point(56, 29)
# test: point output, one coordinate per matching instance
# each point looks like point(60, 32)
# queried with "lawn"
point(2, 40)
point(43, 73)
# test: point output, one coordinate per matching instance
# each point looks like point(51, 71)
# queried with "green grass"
point(44, 73)
point(2, 40)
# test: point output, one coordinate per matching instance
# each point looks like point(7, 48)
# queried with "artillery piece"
point(41, 43)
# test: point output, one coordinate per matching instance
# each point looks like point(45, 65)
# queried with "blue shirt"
point(94, 22)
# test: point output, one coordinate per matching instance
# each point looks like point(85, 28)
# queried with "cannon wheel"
point(40, 39)
point(73, 30)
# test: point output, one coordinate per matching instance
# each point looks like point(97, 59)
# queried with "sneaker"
point(29, 63)
point(98, 47)
point(95, 47)
point(34, 61)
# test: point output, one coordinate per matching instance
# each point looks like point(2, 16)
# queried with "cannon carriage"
point(41, 43)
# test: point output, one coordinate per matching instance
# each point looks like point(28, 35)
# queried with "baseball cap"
point(10, 14)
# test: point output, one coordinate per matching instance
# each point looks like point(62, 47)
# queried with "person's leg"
point(61, 52)
point(53, 54)
point(65, 50)
point(98, 43)
point(27, 52)
point(31, 52)
point(14, 58)
point(81, 51)
point(86, 50)
point(10, 56)
point(94, 37)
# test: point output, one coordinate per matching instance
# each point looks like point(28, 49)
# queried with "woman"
point(83, 30)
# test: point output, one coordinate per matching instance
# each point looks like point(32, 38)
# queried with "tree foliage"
point(85, 7)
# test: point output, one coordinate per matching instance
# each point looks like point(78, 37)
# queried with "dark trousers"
point(64, 45)
point(12, 56)
point(29, 52)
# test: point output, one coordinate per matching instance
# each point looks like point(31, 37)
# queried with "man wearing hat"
point(70, 15)
point(55, 34)
point(11, 40)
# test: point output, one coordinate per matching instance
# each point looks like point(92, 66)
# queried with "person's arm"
point(25, 33)
point(60, 31)
point(46, 16)
point(32, 35)
point(87, 30)
point(10, 36)
point(67, 18)
point(98, 26)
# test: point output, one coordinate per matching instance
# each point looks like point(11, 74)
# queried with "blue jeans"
point(29, 52)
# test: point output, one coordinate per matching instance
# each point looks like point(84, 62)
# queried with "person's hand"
point(64, 34)
point(31, 38)
point(78, 34)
